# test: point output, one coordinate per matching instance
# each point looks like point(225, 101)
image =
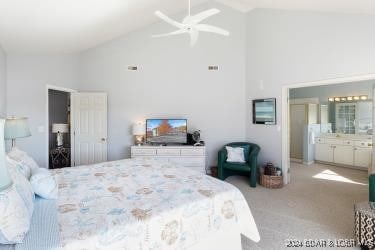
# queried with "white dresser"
point(355, 151)
point(187, 156)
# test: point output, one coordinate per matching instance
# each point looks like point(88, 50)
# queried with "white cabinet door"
point(323, 152)
point(362, 157)
point(343, 154)
point(90, 128)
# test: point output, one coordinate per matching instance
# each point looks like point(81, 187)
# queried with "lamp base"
point(138, 139)
point(60, 140)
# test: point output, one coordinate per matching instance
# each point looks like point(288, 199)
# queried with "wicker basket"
point(270, 181)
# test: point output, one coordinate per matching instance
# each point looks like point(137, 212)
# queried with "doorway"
point(329, 110)
point(59, 129)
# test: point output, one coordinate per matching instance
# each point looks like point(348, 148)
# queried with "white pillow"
point(16, 208)
point(14, 217)
point(235, 154)
point(23, 158)
point(24, 169)
point(44, 184)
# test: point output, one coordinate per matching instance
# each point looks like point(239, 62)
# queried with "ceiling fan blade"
point(168, 20)
point(212, 29)
point(177, 32)
point(194, 34)
point(204, 15)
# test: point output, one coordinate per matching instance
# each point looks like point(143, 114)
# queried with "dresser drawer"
point(348, 142)
point(192, 151)
point(363, 143)
point(143, 152)
point(320, 140)
point(168, 152)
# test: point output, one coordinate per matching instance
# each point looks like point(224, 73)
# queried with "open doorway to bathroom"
point(59, 136)
point(332, 125)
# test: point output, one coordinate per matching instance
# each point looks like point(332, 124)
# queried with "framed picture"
point(264, 111)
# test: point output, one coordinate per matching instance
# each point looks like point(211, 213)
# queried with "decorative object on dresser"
point(248, 168)
point(60, 129)
point(187, 156)
point(16, 128)
point(59, 157)
point(139, 131)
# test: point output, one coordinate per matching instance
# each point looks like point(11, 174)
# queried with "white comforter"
point(140, 204)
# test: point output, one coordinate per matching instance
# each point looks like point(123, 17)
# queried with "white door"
point(323, 152)
point(343, 155)
point(362, 157)
point(90, 128)
point(297, 123)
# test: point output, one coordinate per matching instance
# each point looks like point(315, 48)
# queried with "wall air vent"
point(132, 67)
point(213, 67)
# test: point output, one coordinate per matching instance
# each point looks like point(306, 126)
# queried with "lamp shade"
point(60, 128)
point(16, 128)
point(139, 129)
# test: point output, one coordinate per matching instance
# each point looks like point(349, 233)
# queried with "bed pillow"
point(16, 208)
point(235, 154)
point(23, 158)
point(14, 217)
point(24, 169)
point(44, 184)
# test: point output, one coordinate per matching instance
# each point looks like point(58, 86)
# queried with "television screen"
point(166, 131)
point(264, 111)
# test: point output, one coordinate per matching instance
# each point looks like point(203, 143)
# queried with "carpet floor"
point(317, 205)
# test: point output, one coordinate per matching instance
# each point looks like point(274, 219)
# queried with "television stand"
point(187, 156)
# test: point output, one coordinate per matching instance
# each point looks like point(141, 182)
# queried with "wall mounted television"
point(264, 111)
point(166, 131)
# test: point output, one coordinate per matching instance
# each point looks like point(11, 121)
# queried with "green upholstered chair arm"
point(222, 156)
point(372, 188)
point(253, 158)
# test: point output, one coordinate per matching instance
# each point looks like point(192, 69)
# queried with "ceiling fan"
point(192, 25)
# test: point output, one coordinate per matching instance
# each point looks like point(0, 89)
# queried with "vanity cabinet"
point(348, 152)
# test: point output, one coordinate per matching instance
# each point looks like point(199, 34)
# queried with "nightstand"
point(59, 158)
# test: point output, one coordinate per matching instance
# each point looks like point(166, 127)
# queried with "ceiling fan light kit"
point(192, 25)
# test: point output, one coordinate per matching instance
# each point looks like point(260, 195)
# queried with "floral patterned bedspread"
point(143, 204)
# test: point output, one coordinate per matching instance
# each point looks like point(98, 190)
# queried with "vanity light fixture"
point(337, 99)
point(350, 98)
point(356, 98)
point(331, 99)
point(364, 97)
point(343, 99)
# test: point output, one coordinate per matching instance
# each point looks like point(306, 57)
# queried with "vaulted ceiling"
point(67, 26)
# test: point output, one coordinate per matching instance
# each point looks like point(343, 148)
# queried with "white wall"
point(27, 77)
point(335, 90)
point(2, 82)
point(173, 82)
point(287, 47)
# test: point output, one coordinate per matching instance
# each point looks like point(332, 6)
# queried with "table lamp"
point(16, 128)
point(60, 129)
point(139, 130)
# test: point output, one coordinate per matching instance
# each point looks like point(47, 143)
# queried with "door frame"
point(63, 89)
point(285, 147)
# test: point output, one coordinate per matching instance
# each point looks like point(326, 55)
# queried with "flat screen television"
point(166, 131)
point(264, 111)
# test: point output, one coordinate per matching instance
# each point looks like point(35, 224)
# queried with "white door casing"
point(89, 116)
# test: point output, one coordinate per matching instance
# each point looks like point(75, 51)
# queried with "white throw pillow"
point(24, 169)
point(44, 184)
point(14, 216)
point(23, 158)
point(235, 154)
point(16, 208)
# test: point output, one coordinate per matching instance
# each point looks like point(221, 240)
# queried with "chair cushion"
point(235, 154)
point(246, 150)
point(237, 166)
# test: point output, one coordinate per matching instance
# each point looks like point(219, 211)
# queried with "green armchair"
point(372, 187)
point(249, 168)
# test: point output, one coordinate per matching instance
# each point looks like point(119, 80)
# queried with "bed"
point(141, 204)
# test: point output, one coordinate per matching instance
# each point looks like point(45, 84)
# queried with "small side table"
point(365, 224)
point(59, 157)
